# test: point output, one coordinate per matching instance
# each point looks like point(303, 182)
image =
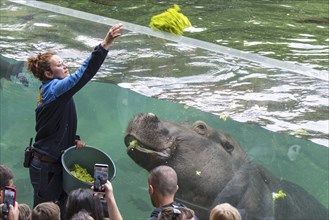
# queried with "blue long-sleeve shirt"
point(56, 118)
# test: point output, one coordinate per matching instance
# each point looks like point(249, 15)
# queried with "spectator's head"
point(80, 199)
point(162, 184)
point(46, 210)
point(24, 212)
point(176, 213)
point(82, 215)
point(6, 179)
point(224, 211)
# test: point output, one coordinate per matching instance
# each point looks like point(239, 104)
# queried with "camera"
point(9, 198)
point(100, 177)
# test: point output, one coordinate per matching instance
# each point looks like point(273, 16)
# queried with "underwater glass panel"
point(176, 82)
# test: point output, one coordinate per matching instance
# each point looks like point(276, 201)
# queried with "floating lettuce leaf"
point(224, 117)
point(81, 173)
point(299, 132)
point(171, 21)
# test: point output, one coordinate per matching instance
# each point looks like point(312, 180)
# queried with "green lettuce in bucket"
point(81, 173)
point(79, 164)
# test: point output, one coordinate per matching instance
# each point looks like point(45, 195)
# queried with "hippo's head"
point(205, 160)
point(212, 169)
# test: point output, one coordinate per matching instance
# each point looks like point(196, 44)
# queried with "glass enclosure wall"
point(175, 81)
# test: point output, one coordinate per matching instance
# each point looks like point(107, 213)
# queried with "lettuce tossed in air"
point(81, 173)
point(171, 21)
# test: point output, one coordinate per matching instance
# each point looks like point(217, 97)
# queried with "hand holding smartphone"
point(9, 198)
point(100, 177)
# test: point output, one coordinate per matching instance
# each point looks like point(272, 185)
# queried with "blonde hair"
point(224, 211)
point(24, 212)
point(39, 64)
point(46, 210)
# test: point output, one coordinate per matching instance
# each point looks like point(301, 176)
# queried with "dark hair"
point(39, 64)
point(81, 215)
point(80, 199)
point(164, 179)
point(5, 175)
point(46, 210)
point(176, 213)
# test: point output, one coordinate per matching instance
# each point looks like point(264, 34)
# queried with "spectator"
point(56, 118)
point(80, 199)
point(13, 212)
point(82, 215)
point(224, 211)
point(7, 179)
point(46, 210)
point(113, 210)
point(84, 199)
point(176, 213)
point(24, 212)
point(162, 187)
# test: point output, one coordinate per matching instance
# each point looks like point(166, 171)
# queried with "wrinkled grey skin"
point(213, 169)
point(12, 68)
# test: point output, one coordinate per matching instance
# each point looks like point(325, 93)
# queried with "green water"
point(104, 111)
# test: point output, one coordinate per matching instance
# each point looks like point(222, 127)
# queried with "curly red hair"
point(39, 64)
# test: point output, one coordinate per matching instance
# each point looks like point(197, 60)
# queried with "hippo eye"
point(228, 147)
point(202, 127)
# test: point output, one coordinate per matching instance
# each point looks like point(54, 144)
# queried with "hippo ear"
point(200, 127)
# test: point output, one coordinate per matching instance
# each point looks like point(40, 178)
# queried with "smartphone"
point(9, 197)
point(100, 177)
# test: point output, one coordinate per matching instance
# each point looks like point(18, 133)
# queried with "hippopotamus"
point(212, 168)
point(12, 68)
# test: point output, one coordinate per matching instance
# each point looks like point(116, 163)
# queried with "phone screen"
point(100, 177)
point(9, 197)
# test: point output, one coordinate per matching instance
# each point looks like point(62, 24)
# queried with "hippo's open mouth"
point(133, 144)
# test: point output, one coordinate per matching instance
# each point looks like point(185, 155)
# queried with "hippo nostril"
point(151, 117)
point(228, 147)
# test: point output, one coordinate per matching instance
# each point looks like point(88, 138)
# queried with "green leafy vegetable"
point(299, 132)
point(279, 195)
point(133, 144)
point(81, 173)
point(171, 21)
